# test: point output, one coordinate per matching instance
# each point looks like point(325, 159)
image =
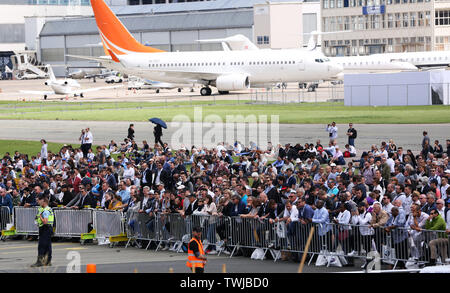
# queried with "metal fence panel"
point(24, 220)
point(72, 222)
point(108, 223)
point(5, 217)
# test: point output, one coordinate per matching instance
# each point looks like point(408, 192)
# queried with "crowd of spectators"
point(311, 183)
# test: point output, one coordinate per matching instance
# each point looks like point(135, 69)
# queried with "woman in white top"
point(210, 209)
point(344, 228)
point(44, 152)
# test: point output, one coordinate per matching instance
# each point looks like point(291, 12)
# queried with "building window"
point(390, 20)
point(412, 21)
point(405, 19)
point(397, 20)
point(442, 17)
point(420, 21)
point(263, 40)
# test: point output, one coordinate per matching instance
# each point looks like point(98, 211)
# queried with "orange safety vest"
point(193, 261)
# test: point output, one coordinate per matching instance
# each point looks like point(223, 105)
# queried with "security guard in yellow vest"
point(44, 219)
point(196, 254)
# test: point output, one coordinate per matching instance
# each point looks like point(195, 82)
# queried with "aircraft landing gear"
point(179, 90)
point(81, 95)
point(45, 97)
point(157, 91)
point(205, 91)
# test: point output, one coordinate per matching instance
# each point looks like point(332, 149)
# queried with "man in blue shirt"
point(278, 164)
point(332, 188)
point(123, 192)
point(322, 220)
point(395, 227)
point(6, 200)
point(305, 215)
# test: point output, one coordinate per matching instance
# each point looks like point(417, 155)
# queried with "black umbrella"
point(159, 122)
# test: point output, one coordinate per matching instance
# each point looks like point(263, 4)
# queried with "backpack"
point(355, 133)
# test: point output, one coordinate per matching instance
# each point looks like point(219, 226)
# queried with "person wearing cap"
point(196, 254)
point(45, 220)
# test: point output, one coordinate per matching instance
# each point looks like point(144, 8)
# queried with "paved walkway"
point(409, 136)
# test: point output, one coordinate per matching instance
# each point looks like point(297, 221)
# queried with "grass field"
point(305, 113)
point(27, 147)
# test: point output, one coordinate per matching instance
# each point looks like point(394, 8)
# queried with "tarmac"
point(10, 91)
point(409, 136)
point(16, 256)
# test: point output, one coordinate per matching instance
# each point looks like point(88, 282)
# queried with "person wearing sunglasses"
point(437, 223)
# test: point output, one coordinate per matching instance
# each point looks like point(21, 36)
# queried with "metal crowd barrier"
point(5, 217)
point(336, 244)
point(333, 244)
point(72, 223)
point(24, 220)
point(216, 232)
point(140, 226)
point(108, 223)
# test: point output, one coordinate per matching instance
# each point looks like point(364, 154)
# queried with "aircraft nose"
point(336, 68)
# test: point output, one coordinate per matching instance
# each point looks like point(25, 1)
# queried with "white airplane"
point(225, 70)
point(351, 64)
point(423, 60)
point(65, 87)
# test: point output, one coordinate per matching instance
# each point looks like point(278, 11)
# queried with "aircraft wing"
point(42, 93)
point(82, 91)
point(98, 59)
point(193, 75)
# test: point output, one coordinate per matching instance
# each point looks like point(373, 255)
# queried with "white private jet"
point(225, 70)
point(65, 87)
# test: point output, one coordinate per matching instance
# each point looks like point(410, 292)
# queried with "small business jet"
point(65, 87)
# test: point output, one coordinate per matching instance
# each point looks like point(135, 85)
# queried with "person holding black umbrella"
point(157, 131)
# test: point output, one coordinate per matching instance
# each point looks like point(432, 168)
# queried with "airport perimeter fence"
point(332, 244)
point(254, 96)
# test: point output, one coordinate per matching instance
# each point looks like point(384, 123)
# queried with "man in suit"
point(111, 179)
point(84, 198)
point(147, 177)
point(161, 176)
point(264, 208)
point(238, 206)
point(193, 205)
point(105, 189)
point(271, 191)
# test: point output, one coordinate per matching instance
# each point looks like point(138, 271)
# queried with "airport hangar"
point(178, 26)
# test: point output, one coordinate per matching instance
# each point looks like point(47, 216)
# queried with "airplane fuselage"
point(64, 87)
point(262, 66)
